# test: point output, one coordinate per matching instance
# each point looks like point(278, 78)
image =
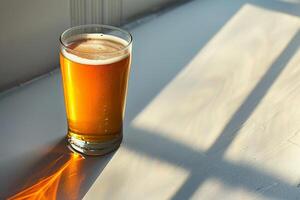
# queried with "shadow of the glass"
point(59, 174)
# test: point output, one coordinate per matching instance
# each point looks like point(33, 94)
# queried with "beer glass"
point(95, 65)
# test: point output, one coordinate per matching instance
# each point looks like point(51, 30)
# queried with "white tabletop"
point(212, 113)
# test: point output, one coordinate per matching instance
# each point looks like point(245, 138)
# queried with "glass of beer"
point(95, 64)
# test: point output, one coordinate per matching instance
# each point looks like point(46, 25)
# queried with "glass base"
point(94, 148)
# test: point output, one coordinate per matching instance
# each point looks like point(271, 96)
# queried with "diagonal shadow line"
point(202, 166)
point(136, 104)
point(243, 113)
point(251, 176)
point(254, 98)
point(190, 186)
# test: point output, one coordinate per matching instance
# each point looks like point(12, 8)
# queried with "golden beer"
point(95, 69)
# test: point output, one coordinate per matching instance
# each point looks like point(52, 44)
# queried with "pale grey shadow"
point(282, 6)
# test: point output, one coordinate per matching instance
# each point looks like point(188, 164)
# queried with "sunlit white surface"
point(140, 175)
point(271, 134)
point(215, 189)
point(197, 104)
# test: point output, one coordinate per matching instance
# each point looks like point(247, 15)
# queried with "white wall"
point(29, 30)
point(133, 8)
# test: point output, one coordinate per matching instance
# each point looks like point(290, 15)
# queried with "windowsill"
point(211, 113)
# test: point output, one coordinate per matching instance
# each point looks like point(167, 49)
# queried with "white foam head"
point(102, 55)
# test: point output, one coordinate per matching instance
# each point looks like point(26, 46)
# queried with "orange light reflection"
point(47, 187)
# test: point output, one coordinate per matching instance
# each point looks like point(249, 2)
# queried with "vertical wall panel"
point(96, 12)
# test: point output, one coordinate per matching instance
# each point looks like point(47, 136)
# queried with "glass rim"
point(96, 25)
